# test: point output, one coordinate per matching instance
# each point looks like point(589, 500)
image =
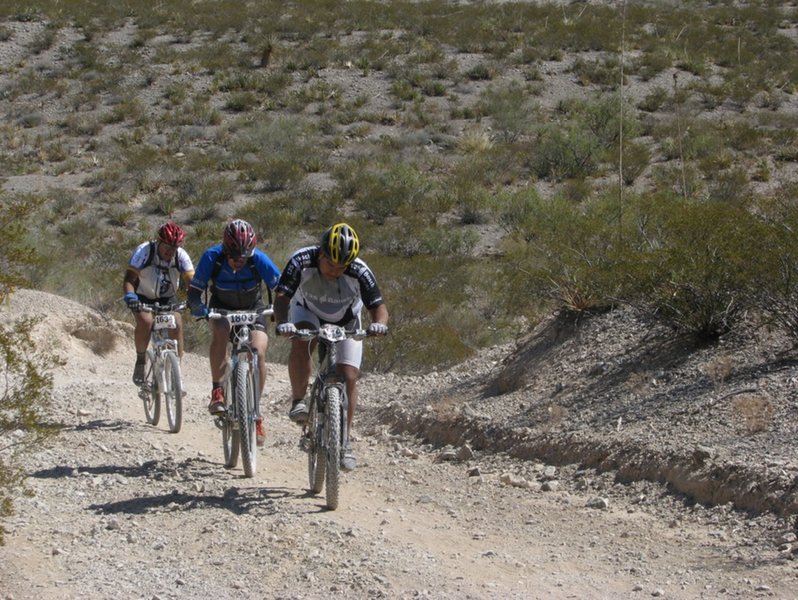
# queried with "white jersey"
point(158, 278)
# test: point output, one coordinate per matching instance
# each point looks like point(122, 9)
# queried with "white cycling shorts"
point(350, 352)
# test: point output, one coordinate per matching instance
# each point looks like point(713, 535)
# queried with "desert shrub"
point(26, 392)
point(200, 191)
point(563, 151)
point(656, 252)
point(276, 152)
point(421, 295)
point(559, 252)
point(636, 158)
point(776, 289)
point(398, 189)
point(510, 108)
point(729, 186)
point(431, 240)
point(242, 101)
point(606, 72)
point(695, 262)
point(481, 72)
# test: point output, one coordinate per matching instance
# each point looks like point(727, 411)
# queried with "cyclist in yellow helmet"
point(328, 283)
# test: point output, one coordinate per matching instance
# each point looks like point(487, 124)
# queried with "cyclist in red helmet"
point(153, 277)
point(328, 283)
point(233, 271)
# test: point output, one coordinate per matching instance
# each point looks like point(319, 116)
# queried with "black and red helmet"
point(171, 233)
point(340, 244)
point(239, 239)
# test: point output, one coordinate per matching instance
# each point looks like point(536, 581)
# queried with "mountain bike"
point(325, 436)
point(163, 379)
point(241, 393)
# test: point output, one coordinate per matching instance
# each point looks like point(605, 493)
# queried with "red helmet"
point(239, 239)
point(171, 233)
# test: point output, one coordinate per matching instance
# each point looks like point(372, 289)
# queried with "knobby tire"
point(173, 392)
point(317, 461)
point(152, 397)
point(231, 441)
point(245, 409)
point(332, 427)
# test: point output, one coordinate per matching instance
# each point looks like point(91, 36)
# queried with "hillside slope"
point(616, 392)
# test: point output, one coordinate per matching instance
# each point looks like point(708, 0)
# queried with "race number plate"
point(165, 322)
point(243, 318)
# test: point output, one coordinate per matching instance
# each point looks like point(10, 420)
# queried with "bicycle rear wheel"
point(316, 458)
point(173, 392)
point(152, 396)
point(333, 440)
point(245, 409)
point(231, 441)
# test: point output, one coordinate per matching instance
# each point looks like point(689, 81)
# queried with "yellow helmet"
point(340, 244)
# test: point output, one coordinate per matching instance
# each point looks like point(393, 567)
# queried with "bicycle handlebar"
point(163, 308)
point(222, 313)
point(309, 334)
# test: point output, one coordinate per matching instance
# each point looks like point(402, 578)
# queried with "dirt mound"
point(622, 394)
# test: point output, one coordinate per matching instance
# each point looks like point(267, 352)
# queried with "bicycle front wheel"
point(152, 396)
point(231, 441)
point(316, 458)
point(173, 392)
point(245, 409)
point(333, 441)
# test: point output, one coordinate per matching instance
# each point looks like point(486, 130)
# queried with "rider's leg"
point(177, 334)
point(350, 355)
point(218, 351)
point(260, 342)
point(350, 375)
point(218, 360)
point(141, 339)
point(299, 368)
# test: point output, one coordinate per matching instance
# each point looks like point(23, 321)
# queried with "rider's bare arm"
point(282, 303)
point(379, 314)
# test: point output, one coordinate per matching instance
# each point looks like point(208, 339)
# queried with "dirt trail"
point(125, 510)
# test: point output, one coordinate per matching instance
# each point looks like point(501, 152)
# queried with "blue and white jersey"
point(236, 290)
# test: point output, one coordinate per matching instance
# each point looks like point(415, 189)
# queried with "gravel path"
point(122, 509)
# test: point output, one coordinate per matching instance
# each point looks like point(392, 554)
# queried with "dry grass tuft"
point(755, 410)
point(719, 370)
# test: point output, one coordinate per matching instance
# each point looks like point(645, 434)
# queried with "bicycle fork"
point(322, 419)
point(231, 414)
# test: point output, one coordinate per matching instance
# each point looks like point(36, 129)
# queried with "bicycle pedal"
point(304, 443)
point(219, 422)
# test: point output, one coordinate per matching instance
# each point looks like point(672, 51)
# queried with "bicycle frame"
point(326, 434)
point(242, 388)
point(163, 380)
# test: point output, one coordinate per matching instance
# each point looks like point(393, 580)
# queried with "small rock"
point(599, 503)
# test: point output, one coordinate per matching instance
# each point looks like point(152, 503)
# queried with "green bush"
point(776, 285)
point(696, 262)
point(26, 393)
point(563, 151)
point(511, 110)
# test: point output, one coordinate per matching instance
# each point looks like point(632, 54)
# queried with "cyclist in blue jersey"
point(233, 272)
point(328, 283)
point(153, 276)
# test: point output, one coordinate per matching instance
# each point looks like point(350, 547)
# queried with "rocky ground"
point(571, 483)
